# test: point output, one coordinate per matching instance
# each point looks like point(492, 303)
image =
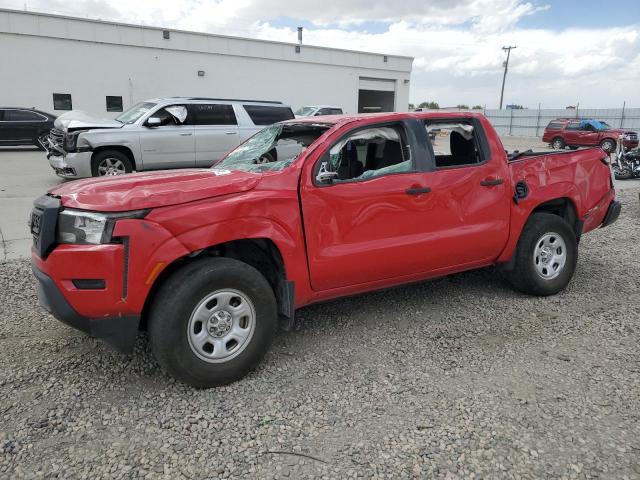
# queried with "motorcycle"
point(627, 162)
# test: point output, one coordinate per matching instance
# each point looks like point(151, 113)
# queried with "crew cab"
point(210, 261)
point(575, 132)
point(157, 134)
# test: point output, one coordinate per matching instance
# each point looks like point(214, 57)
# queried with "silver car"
point(176, 132)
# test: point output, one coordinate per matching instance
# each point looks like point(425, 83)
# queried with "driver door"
point(168, 145)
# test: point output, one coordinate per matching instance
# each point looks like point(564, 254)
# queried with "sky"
point(568, 51)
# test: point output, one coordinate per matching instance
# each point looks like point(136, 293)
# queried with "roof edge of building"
point(191, 32)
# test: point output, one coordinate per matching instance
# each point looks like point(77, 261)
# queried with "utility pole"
point(506, 67)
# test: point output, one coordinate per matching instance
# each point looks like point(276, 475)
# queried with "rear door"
point(22, 125)
point(572, 133)
point(216, 131)
point(169, 145)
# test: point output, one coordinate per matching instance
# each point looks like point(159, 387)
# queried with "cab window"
point(369, 153)
point(455, 143)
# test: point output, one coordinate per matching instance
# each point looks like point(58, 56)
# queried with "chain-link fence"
point(531, 123)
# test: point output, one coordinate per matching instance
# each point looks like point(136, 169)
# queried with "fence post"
point(624, 104)
point(538, 120)
point(510, 121)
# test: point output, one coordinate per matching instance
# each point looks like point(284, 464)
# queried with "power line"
point(506, 67)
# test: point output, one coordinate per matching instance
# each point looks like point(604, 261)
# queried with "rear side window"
point(268, 115)
point(554, 126)
point(211, 114)
point(456, 143)
point(330, 111)
point(22, 116)
point(573, 126)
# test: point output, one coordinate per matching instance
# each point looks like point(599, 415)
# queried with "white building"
point(102, 67)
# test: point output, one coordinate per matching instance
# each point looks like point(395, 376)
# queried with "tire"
point(109, 163)
point(543, 233)
point(608, 145)
point(557, 143)
point(189, 353)
point(621, 174)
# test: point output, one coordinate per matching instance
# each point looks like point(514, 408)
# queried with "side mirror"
point(153, 122)
point(324, 175)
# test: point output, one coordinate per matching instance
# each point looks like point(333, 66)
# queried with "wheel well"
point(118, 148)
point(261, 253)
point(562, 207)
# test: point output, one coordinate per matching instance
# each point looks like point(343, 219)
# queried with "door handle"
point(231, 133)
point(186, 134)
point(417, 190)
point(491, 182)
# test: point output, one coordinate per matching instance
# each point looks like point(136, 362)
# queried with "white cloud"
point(456, 43)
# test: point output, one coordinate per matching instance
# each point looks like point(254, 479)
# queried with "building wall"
point(43, 54)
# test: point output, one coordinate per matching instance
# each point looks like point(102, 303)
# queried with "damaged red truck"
point(210, 261)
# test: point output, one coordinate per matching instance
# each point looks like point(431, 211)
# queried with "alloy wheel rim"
point(111, 166)
point(550, 255)
point(221, 326)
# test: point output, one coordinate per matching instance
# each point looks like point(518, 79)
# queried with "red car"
point(575, 132)
point(209, 261)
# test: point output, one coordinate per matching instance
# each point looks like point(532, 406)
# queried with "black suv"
point(24, 126)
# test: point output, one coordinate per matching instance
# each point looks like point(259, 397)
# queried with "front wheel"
point(110, 163)
point(557, 143)
point(545, 257)
point(212, 322)
point(608, 145)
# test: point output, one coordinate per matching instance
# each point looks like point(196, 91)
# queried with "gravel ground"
point(455, 378)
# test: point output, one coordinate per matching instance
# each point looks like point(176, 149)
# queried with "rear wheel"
point(621, 174)
point(608, 145)
point(212, 322)
point(546, 255)
point(110, 163)
point(557, 143)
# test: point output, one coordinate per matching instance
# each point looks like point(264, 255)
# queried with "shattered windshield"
point(305, 111)
point(135, 112)
point(273, 148)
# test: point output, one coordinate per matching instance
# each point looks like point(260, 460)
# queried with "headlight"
point(80, 227)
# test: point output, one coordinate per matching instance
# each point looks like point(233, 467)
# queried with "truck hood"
point(140, 191)
point(78, 120)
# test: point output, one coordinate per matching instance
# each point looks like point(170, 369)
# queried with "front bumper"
point(119, 331)
point(71, 165)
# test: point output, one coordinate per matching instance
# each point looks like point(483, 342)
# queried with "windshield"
point(274, 148)
point(305, 111)
point(135, 112)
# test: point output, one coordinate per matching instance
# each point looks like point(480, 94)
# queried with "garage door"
point(376, 95)
point(379, 84)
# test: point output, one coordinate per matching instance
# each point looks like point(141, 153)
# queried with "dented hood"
point(140, 191)
point(78, 120)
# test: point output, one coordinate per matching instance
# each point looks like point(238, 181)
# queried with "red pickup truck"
point(209, 261)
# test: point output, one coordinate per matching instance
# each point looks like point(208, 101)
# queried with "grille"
point(56, 139)
point(632, 135)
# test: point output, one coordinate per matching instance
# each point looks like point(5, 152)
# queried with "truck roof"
point(390, 116)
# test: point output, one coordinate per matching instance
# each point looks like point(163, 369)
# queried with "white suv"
point(176, 132)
